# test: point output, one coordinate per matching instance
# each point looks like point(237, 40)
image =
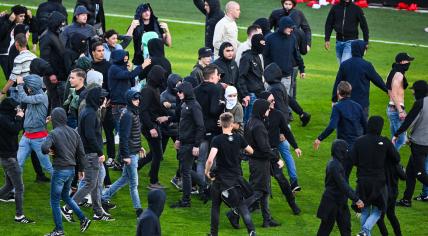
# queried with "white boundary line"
point(241, 27)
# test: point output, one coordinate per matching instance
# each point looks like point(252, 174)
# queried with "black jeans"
point(390, 213)
point(187, 173)
point(283, 183)
point(108, 127)
point(343, 220)
point(154, 156)
point(4, 63)
point(263, 200)
point(165, 139)
point(13, 179)
point(215, 210)
point(415, 169)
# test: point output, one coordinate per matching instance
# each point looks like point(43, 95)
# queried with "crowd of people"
point(234, 108)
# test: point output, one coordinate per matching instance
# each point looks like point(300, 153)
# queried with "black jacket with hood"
point(191, 130)
point(257, 136)
point(369, 154)
point(170, 95)
point(337, 189)
point(130, 128)
point(157, 55)
point(45, 9)
point(344, 19)
point(140, 30)
point(10, 125)
point(148, 221)
point(214, 16)
point(89, 124)
point(51, 48)
point(273, 77)
point(151, 107)
point(65, 142)
point(228, 68)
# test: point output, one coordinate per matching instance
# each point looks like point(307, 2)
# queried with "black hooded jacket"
point(344, 19)
point(45, 9)
point(170, 95)
point(157, 55)
point(214, 16)
point(10, 125)
point(228, 68)
point(51, 48)
point(273, 77)
point(148, 222)
point(141, 29)
point(6, 27)
point(370, 154)
point(89, 124)
point(151, 107)
point(130, 128)
point(191, 130)
point(65, 142)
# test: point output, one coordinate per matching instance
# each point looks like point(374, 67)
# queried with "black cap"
point(205, 52)
point(403, 56)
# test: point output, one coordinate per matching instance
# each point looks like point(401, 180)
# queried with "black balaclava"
point(259, 109)
point(256, 45)
point(339, 150)
point(156, 76)
point(375, 125)
point(421, 89)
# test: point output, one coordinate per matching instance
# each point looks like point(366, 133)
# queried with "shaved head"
point(233, 9)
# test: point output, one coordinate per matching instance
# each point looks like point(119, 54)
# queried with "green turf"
point(313, 94)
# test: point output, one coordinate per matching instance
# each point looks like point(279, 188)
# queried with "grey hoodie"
point(65, 142)
point(37, 104)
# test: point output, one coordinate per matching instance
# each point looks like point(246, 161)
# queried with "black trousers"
point(415, 169)
point(215, 210)
point(343, 220)
point(187, 173)
point(165, 139)
point(283, 183)
point(4, 63)
point(390, 214)
point(154, 156)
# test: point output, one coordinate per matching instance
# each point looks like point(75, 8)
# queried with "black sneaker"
point(205, 194)
point(85, 203)
point(361, 234)
point(252, 233)
point(295, 187)
point(421, 198)
point(24, 220)
point(107, 205)
point(68, 214)
point(181, 204)
point(9, 198)
point(404, 203)
point(42, 179)
point(305, 118)
point(84, 224)
point(176, 182)
point(233, 219)
point(55, 233)
point(103, 217)
point(270, 223)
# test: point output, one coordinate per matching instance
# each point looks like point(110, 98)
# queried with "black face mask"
point(402, 67)
point(256, 45)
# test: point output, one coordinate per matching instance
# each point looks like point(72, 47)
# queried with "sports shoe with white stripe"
point(103, 217)
point(68, 214)
point(9, 198)
point(55, 233)
point(84, 224)
point(24, 220)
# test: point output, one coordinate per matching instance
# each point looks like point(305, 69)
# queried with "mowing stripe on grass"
point(240, 27)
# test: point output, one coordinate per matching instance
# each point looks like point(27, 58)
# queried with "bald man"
point(226, 29)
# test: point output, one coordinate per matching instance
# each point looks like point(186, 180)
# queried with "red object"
point(334, 2)
point(299, 1)
point(311, 3)
point(36, 135)
point(402, 6)
point(362, 4)
point(413, 7)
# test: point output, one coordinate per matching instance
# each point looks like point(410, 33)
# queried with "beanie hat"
point(94, 77)
point(80, 10)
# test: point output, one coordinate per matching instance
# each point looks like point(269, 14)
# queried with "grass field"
point(313, 94)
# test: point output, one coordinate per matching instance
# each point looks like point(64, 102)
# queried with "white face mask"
point(231, 102)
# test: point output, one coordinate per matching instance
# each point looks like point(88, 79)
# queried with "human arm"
point(339, 77)
point(334, 121)
point(363, 25)
point(328, 28)
point(244, 67)
point(125, 125)
point(125, 40)
point(166, 36)
point(410, 118)
point(306, 29)
point(218, 35)
point(47, 144)
point(29, 99)
point(199, 123)
point(88, 125)
point(342, 183)
point(200, 5)
point(145, 115)
point(210, 162)
point(376, 79)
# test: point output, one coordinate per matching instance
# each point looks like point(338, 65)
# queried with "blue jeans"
point(249, 109)
point(60, 188)
point(425, 187)
point(394, 124)
point(204, 148)
point(284, 150)
point(369, 216)
point(343, 50)
point(129, 175)
point(26, 145)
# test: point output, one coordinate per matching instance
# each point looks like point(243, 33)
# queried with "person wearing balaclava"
point(151, 110)
point(417, 119)
point(370, 154)
point(45, 9)
point(257, 137)
point(228, 68)
point(359, 73)
point(250, 82)
point(157, 56)
point(213, 14)
point(344, 18)
point(235, 108)
point(149, 221)
point(334, 201)
point(396, 83)
point(264, 25)
point(251, 31)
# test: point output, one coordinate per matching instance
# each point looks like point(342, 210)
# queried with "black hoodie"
point(10, 125)
point(148, 222)
point(228, 68)
point(151, 108)
point(89, 124)
point(157, 55)
point(214, 16)
point(191, 129)
point(45, 9)
point(65, 142)
point(273, 77)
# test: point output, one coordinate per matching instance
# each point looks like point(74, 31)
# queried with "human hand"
point(327, 45)
point(280, 163)
point(101, 159)
point(402, 115)
point(127, 161)
point(53, 79)
point(167, 105)
point(142, 152)
point(302, 75)
point(81, 175)
point(19, 80)
point(164, 26)
point(135, 23)
point(317, 143)
point(359, 204)
point(29, 14)
point(162, 119)
point(12, 17)
point(20, 112)
point(34, 48)
point(195, 151)
point(146, 63)
point(308, 48)
point(298, 152)
point(48, 119)
point(394, 140)
point(245, 101)
point(154, 133)
point(177, 144)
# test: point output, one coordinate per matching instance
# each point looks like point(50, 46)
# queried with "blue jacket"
point(283, 49)
point(348, 118)
point(358, 72)
point(120, 79)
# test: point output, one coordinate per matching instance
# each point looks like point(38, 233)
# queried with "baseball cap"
point(403, 56)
